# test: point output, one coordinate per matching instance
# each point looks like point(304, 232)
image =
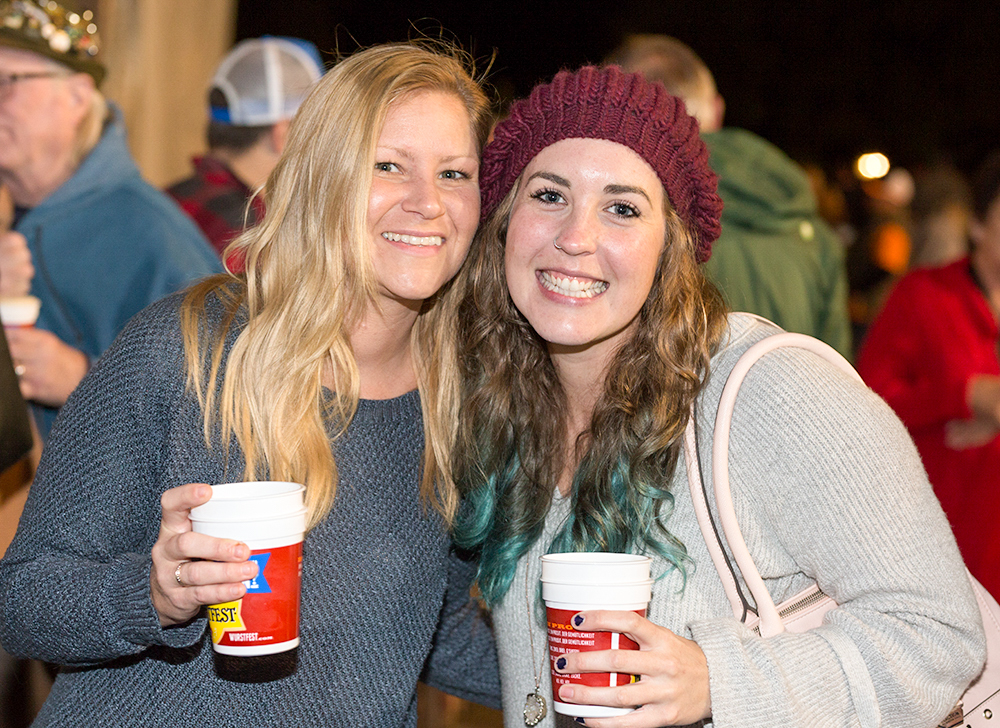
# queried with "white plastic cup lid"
point(251, 501)
point(19, 310)
point(596, 568)
point(591, 596)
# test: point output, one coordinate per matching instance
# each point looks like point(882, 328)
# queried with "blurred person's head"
point(675, 65)
point(984, 228)
point(51, 112)
point(940, 213)
point(255, 92)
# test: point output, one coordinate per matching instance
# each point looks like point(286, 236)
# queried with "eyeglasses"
point(8, 80)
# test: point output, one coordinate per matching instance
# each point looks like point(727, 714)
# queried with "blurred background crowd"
point(855, 145)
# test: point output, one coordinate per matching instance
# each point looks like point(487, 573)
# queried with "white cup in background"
point(19, 312)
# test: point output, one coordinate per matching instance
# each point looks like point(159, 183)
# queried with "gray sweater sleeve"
point(463, 659)
point(827, 484)
point(75, 581)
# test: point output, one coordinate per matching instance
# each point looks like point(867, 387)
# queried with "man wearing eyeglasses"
point(89, 237)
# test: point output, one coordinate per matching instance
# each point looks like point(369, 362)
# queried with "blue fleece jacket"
point(105, 245)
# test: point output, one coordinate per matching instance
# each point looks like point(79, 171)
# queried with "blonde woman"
point(313, 365)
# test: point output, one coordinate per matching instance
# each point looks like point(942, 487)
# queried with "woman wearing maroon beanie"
point(588, 333)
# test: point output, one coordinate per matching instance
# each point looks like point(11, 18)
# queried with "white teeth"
point(433, 240)
point(573, 287)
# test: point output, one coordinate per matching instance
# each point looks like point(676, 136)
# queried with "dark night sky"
point(823, 80)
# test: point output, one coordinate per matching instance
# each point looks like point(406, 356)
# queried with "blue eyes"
point(450, 174)
point(549, 197)
point(619, 208)
point(624, 209)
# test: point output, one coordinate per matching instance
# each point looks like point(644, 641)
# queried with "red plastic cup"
point(575, 582)
point(266, 620)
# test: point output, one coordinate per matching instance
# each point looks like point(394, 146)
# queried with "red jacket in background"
point(934, 334)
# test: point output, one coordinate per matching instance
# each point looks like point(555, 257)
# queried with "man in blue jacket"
point(103, 243)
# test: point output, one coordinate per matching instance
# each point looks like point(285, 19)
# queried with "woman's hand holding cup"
point(193, 569)
point(673, 687)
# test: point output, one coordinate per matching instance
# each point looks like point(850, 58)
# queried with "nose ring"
point(555, 242)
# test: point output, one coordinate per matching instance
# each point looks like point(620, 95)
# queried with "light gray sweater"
point(826, 484)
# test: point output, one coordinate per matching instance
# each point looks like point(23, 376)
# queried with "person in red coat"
point(933, 353)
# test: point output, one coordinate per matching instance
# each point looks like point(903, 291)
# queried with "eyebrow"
point(553, 178)
point(609, 189)
point(627, 189)
point(394, 150)
point(406, 155)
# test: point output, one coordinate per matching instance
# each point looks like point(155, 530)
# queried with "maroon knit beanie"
point(606, 103)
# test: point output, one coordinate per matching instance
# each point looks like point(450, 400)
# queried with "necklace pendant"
point(534, 708)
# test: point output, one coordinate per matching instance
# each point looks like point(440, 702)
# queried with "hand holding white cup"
point(190, 569)
point(575, 582)
point(18, 312)
point(270, 518)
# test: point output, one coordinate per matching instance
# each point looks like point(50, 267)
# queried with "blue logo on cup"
point(258, 585)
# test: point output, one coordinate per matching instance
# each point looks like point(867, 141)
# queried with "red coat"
point(934, 334)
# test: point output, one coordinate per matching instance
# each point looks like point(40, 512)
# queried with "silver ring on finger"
point(177, 574)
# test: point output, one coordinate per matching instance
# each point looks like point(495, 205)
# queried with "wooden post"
point(160, 58)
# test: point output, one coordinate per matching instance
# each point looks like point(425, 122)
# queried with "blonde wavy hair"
point(307, 279)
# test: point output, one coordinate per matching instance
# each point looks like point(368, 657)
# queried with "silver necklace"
point(534, 705)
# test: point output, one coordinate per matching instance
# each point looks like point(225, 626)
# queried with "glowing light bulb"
point(873, 165)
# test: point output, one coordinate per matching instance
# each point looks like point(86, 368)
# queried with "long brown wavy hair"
point(510, 448)
point(308, 277)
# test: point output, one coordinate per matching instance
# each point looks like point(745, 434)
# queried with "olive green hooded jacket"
point(776, 257)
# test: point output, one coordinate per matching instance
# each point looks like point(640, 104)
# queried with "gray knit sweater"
point(384, 600)
point(826, 482)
